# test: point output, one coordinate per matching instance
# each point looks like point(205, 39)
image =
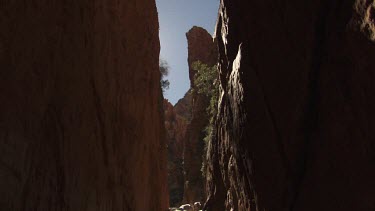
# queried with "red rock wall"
point(201, 47)
point(296, 120)
point(80, 122)
point(177, 119)
point(185, 124)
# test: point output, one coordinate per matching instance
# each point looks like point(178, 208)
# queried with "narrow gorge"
point(185, 124)
point(84, 125)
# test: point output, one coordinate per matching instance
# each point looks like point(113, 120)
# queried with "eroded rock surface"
point(81, 122)
point(201, 47)
point(185, 123)
point(296, 122)
point(177, 119)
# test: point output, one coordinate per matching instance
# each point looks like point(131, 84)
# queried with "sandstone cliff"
point(201, 47)
point(177, 119)
point(296, 123)
point(80, 123)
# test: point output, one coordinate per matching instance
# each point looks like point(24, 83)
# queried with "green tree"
point(206, 82)
point(164, 71)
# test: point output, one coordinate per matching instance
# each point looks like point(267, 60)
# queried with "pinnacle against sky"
point(176, 17)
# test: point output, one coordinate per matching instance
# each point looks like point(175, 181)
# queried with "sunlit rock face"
point(81, 111)
point(201, 47)
point(296, 122)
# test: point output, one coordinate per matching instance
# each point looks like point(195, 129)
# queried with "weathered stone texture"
point(201, 47)
point(177, 119)
point(80, 122)
point(296, 123)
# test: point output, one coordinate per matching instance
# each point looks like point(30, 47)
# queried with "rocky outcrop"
point(201, 47)
point(81, 122)
point(185, 123)
point(177, 119)
point(295, 129)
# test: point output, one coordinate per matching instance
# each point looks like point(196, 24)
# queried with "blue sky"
point(176, 17)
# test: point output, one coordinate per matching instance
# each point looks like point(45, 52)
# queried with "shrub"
point(206, 82)
point(164, 71)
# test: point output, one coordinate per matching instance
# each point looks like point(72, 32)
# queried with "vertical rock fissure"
point(186, 124)
point(310, 120)
point(222, 57)
point(279, 140)
point(59, 157)
point(99, 113)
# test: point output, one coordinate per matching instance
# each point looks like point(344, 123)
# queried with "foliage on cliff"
point(206, 83)
point(164, 71)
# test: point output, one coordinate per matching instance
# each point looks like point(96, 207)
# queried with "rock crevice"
point(191, 112)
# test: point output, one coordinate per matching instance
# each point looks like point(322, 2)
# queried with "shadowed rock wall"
point(81, 111)
point(295, 129)
point(177, 119)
